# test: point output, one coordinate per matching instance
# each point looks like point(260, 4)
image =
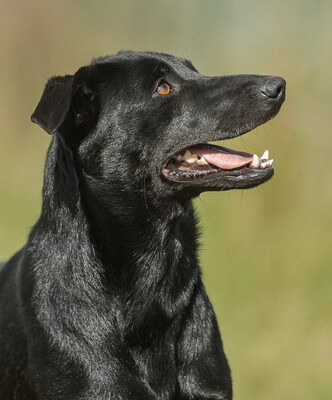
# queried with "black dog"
point(106, 301)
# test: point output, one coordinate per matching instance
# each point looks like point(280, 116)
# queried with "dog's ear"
point(68, 103)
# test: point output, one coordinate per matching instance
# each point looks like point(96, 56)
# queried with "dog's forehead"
point(182, 66)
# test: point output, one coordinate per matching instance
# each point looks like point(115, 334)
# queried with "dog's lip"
point(231, 175)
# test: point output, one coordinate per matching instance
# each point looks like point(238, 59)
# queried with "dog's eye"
point(163, 88)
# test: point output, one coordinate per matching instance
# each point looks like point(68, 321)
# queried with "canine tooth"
point(202, 161)
point(270, 163)
point(265, 155)
point(187, 155)
point(255, 161)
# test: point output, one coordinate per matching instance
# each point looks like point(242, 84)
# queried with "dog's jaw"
point(199, 163)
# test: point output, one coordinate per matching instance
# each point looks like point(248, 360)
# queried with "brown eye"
point(164, 88)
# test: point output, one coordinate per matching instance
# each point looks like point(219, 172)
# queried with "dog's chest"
point(157, 367)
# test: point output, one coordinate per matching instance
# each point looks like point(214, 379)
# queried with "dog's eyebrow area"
point(179, 67)
point(163, 69)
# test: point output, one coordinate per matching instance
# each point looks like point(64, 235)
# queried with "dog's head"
point(143, 120)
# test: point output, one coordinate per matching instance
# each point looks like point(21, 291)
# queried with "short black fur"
point(106, 300)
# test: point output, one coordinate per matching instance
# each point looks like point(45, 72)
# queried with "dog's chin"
point(205, 167)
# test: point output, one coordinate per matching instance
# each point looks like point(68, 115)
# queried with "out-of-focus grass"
point(266, 253)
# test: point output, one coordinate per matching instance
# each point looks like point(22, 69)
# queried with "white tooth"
point(265, 155)
point(264, 164)
point(255, 161)
point(192, 159)
point(178, 157)
point(202, 161)
point(186, 155)
point(270, 163)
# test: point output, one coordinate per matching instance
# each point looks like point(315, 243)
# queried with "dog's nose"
point(274, 87)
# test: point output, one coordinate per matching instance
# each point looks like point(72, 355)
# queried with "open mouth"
point(203, 160)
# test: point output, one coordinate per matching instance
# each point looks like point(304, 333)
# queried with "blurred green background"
point(267, 252)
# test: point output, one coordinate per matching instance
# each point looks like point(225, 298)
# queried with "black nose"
point(274, 87)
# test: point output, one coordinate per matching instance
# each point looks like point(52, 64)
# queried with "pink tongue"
point(223, 158)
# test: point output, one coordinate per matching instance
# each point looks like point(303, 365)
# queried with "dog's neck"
point(145, 253)
point(150, 253)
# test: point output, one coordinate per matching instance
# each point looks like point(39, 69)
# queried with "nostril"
point(273, 88)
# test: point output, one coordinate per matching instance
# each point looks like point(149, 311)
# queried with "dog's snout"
point(274, 88)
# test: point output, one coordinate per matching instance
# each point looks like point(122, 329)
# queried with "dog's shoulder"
point(7, 268)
